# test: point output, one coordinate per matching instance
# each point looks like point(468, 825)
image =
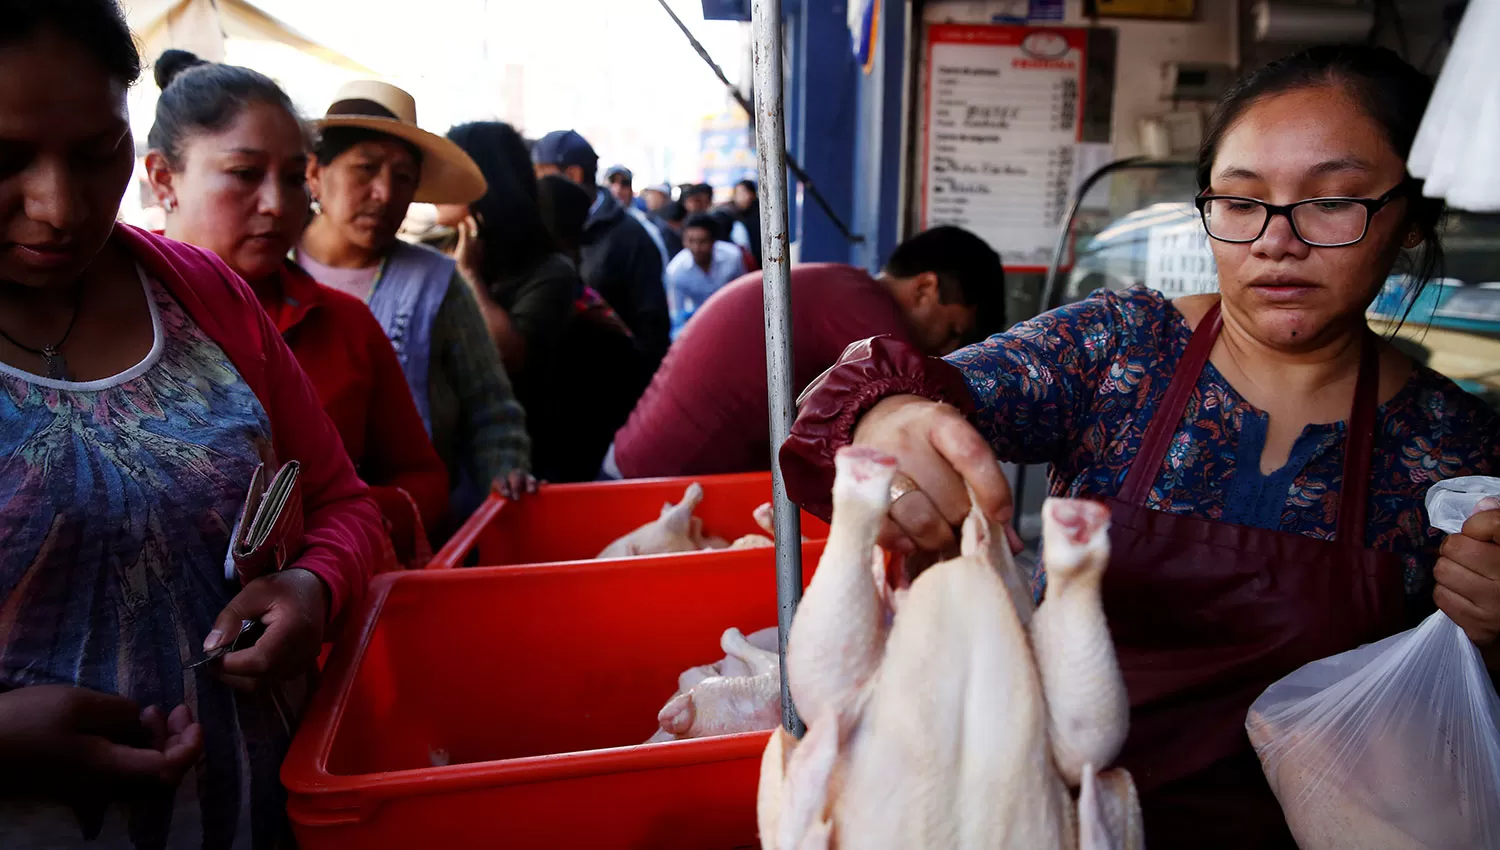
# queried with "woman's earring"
point(1413, 239)
point(169, 204)
point(316, 206)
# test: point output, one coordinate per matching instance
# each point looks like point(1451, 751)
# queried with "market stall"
point(444, 721)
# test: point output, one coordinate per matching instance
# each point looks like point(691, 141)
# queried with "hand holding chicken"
point(964, 720)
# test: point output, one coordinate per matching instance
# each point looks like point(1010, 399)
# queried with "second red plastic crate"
point(574, 522)
point(539, 684)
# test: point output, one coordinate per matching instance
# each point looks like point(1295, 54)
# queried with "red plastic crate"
point(574, 522)
point(541, 683)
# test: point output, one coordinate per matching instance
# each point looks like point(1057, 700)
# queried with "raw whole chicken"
point(765, 518)
point(965, 719)
point(740, 693)
point(676, 530)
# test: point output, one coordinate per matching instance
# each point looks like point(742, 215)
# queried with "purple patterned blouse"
point(1076, 387)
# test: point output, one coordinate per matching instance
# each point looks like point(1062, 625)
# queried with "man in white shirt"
point(704, 265)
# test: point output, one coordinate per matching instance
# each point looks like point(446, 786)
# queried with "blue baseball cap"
point(618, 171)
point(563, 148)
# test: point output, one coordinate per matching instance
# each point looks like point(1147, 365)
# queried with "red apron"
point(1205, 615)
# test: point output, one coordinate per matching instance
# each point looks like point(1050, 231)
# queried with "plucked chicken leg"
point(676, 530)
point(1109, 812)
point(1088, 713)
point(739, 693)
point(839, 633)
point(721, 705)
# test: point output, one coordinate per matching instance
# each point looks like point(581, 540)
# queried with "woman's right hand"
point(468, 254)
point(71, 743)
point(946, 457)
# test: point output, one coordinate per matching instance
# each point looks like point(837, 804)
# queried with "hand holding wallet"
point(269, 534)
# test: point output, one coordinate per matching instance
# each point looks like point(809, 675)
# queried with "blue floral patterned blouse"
point(1076, 388)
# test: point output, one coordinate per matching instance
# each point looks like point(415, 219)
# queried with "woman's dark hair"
point(1390, 91)
point(333, 142)
point(97, 25)
point(510, 220)
point(565, 210)
point(205, 97)
point(706, 221)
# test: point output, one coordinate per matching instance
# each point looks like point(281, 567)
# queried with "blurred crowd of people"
point(279, 324)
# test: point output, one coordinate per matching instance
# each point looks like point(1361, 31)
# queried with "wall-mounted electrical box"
point(1195, 80)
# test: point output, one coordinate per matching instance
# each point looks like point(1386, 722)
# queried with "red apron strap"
point(1359, 440)
point(1163, 425)
point(1359, 444)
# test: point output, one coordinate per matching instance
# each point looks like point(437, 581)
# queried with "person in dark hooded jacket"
point(619, 258)
point(600, 372)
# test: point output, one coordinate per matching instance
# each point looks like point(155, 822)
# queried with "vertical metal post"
point(770, 155)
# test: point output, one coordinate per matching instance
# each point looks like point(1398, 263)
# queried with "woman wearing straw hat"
point(370, 163)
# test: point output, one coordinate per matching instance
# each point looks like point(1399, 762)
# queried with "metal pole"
point(770, 155)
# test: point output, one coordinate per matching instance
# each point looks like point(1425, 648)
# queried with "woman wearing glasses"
point(1264, 454)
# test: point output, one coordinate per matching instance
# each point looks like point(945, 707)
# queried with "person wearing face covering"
point(599, 371)
point(370, 162)
point(1263, 453)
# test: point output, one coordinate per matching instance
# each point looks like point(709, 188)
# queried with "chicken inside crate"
point(621, 519)
point(951, 713)
point(678, 530)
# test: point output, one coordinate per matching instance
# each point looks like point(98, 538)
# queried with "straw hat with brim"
point(448, 176)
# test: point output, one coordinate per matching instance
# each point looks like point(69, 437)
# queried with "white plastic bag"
point(1395, 744)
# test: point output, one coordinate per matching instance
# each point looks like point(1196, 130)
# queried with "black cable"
point(791, 161)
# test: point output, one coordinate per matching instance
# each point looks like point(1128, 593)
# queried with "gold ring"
point(902, 484)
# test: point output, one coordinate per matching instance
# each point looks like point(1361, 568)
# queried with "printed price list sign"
point(1001, 132)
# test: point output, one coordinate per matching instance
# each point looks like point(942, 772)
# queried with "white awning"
point(203, 26)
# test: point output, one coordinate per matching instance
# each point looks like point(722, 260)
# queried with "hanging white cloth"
point(1457, 149)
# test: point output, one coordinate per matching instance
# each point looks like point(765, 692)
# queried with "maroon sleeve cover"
point(828, 410)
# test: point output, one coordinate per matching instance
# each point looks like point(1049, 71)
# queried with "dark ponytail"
point(199, 97)
point(1390, 91)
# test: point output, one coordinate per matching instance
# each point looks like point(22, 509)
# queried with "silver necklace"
point(57, 365)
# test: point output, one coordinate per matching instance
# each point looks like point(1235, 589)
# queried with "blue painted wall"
point(845, 127)
point(822, 122)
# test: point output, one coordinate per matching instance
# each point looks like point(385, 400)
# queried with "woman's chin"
point(259, 264)
point(1291, 330)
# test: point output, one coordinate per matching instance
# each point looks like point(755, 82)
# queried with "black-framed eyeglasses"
point(1320, 222)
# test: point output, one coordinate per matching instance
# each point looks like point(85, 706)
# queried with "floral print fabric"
point(117, 500)
point(1075, 388)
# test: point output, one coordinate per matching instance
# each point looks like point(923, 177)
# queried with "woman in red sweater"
point(228, 158)
point(140, 390)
